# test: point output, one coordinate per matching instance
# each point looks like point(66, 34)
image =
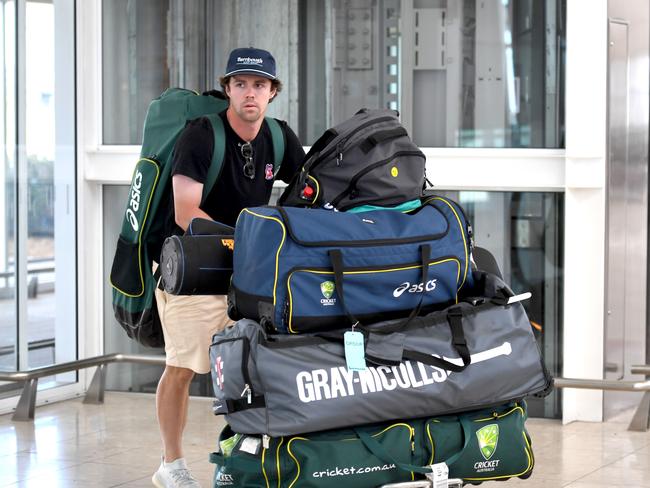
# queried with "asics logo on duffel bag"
point(414, 288)
point(134, 203)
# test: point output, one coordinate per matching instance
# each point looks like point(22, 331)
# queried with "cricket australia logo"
point(327, 289)
point(488, 437)
point(218, 368)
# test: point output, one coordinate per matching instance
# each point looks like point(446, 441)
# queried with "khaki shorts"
point(188, 323)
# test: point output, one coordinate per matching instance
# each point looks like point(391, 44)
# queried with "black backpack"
point(367, 160)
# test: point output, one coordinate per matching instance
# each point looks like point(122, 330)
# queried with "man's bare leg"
point(172, 398)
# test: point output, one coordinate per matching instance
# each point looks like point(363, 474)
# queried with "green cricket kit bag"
point(477, 353)
point(477, 446)
point(199, 262)
point(367, 160)
point(491, 444)
point(141, 237)
point(303, 270)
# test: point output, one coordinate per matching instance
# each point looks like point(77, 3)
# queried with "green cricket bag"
point(477, 446)
point(142, 233)
point(490, 444)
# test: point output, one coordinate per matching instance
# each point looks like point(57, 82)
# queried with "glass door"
point(8, 309)
point(38, 322)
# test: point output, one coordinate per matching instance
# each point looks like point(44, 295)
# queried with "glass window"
point(523, 231)
point(463, 73)
point(8, 309)
point(49, 145)
point(38, 324)
point(150, 45)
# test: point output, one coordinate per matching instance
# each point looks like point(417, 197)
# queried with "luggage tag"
point(250, 445)
point(355, 356)
point(439, 475)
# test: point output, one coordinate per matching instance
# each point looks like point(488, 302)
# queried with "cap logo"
point(249, 60)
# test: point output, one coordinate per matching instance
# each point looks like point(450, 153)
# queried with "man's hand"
point(187, 198)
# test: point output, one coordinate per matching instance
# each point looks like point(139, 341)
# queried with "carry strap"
point(336, 258)
point(277, 137)
point(455, 320)
point(241, 404)
point(378, 450)
point(217, 155)
point(381, 136)
point(467, 436)
point(454, 317)
point(239, 463)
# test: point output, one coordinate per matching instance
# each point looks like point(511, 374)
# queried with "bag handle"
point(336, 258)
point(454, 318)
point(381, 136)
point(240, 463)
point(378, 450)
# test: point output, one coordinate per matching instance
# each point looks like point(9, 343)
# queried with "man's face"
point(249, 96)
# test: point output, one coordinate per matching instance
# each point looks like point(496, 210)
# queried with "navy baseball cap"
point(251, 61)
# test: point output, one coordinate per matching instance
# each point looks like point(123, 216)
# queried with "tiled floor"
point(116, 444)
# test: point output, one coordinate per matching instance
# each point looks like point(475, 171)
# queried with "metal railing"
point(94, 395)
point(641, 419)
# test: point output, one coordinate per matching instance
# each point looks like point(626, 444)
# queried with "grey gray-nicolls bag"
point(367, 160)
point(478, 353)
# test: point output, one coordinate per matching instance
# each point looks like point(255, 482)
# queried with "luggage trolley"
point(451, 483)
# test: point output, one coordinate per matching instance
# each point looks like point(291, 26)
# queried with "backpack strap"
point(277, 137)
point(217, 154)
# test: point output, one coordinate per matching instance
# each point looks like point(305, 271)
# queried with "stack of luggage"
point(367, 350)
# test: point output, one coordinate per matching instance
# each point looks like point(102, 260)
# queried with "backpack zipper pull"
point(266, 441)
point(339, 156)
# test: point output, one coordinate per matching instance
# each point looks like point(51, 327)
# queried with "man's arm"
point(187, 199)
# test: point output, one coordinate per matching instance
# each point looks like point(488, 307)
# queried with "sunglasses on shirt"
point(247, 153)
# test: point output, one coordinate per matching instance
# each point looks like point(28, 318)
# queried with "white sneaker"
point(174, 475)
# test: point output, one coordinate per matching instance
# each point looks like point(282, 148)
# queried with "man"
point(246, 180)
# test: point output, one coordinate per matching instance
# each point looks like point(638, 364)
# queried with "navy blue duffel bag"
point(305, 270)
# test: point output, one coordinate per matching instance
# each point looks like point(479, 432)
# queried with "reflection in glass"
point(150, 45)
point(49, 325)
point(463, 73)
point(8, 316)
point(523, 231)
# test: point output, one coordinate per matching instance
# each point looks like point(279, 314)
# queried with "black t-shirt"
point(233, 190)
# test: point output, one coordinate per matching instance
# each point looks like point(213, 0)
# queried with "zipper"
point(366, 243)
point(244, 369)
point(470, 231)
point(246, 349)
point(353, 182)
point(412, 439)
point(340, 146)
point(285, 311)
